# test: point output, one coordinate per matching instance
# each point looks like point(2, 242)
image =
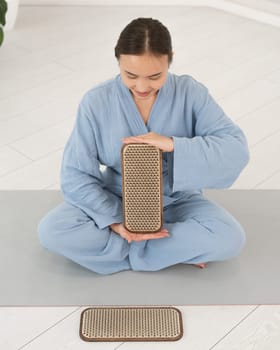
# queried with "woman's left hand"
point(164, 143)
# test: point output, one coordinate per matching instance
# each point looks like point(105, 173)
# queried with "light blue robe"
point(209, 152)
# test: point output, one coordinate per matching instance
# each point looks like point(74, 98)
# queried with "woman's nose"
point(142, 86)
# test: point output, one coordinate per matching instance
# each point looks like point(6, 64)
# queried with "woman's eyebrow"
point(154, 75)
point(150, 76)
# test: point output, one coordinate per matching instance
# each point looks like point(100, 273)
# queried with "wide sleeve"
point(81, 178)
point(215, 155)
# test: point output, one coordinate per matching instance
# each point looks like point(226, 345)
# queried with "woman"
point(202, 148)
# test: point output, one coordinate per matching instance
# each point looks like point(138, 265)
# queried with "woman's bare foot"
point(201, 265)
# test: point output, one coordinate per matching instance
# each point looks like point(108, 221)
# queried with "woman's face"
point(143, 74)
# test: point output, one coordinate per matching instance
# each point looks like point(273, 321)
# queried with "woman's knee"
point(232, 241)
point(46, 230)
point(57, 224)
point(228, 236)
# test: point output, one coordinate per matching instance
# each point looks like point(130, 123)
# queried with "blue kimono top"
point(209, 149)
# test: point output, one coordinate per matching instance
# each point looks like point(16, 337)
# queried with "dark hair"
point(144, 35)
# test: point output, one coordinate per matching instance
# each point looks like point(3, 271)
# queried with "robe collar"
point(134, 117)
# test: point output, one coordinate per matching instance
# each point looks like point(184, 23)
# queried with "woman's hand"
point(164, 143)
point(124, 233)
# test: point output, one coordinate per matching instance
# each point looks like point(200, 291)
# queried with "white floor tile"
point(28, 123)
point(271, 6)
point(37, 26)
point(37, 175)
point(274, 77)
point(55, 186)
point(261, 123)
point(261, 41)
point(206, 27)
point(260, 331)
point(27, 80)
point(11, 160)
point(200, 42)
point(26, 103)
point(24, 63)
point(9, 51)
point(65, 336)
point(87, 59)
point(48, 55)
point(271, 182)
point(264, 161)
point(204, 70)
point(82, 31)
point(249, 99)
point(242, 75)
point(47, 141)
point(45, 93)
point(203, 327)
point(19, 325)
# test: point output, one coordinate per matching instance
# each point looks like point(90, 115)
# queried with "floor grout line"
point(41, 83)
point(261, 77)
point(32, 162)
point(259, 107)
point(39, 130)
point(19, 152)
point(17, 115)
point(277, 131)
point(267, 178)
point(70, 115)
point(47, 188)
point(64, 65)
point(230, 331)
point(46, 330)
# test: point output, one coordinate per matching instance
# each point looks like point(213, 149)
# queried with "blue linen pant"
point(200, 231)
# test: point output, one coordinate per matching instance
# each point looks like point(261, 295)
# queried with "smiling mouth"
point(142, 93)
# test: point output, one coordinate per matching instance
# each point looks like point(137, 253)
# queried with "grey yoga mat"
point(30, 275)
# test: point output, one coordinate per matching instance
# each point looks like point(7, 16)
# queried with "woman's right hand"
point(129, 236)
